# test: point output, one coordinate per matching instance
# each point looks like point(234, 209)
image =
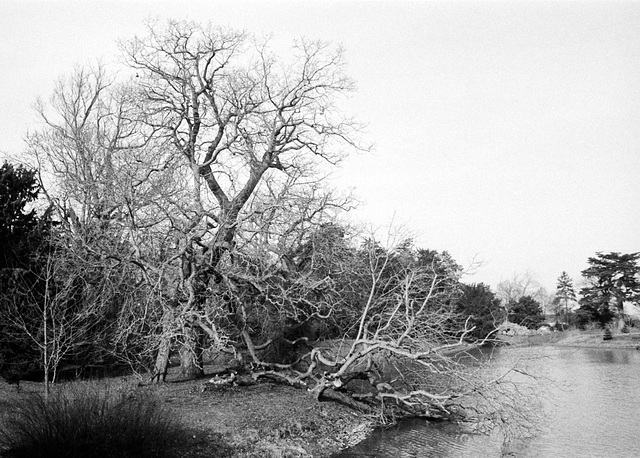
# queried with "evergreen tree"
point(482, 307)
point(613, 279)
point(565, 292)
point(526, 312)
point(18, 188)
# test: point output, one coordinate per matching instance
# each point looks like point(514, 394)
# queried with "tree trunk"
point(164, 349)
point(162, 361)
point(191, 363)
point(47, 388)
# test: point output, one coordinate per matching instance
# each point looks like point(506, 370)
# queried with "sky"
point(504, 132)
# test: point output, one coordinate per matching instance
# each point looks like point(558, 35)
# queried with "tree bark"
point(164, 350)
point(191, 363)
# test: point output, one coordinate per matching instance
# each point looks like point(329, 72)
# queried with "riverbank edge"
point(308, 428)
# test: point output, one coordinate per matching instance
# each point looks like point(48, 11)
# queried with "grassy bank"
point(575, 338)
point(264, 420)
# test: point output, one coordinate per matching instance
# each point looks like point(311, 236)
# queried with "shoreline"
point(272, 420)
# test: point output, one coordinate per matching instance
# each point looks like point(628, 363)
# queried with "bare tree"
point(53, 311)
point(118, 195)
point(235, 116)
point(510, 291)
point(161, 172)
point(199, 181)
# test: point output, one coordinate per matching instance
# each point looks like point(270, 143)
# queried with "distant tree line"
point(611, 281)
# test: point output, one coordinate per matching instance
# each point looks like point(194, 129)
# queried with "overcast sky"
point(504, 131)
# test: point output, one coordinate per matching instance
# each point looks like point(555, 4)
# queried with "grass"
point(89, 420)
point(589, 338)
point(531, 340)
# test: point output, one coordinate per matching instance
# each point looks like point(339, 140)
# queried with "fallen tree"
point(398, 354)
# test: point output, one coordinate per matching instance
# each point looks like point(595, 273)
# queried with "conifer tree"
point(565, 292)
point(613, 278)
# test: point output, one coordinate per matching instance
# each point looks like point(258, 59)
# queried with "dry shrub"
point(89, 420)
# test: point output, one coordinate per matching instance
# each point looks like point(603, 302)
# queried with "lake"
point(591, 409)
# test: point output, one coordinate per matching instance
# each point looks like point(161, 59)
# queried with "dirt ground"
point(265, 420)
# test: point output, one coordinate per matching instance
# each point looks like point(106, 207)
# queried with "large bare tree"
point(163, 170)
point(236, 116)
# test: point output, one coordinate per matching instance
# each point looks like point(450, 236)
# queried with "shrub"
point(89, 420)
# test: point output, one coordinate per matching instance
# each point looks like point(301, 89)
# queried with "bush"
point(89, 420)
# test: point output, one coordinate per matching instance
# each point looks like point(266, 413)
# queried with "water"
point(591, 409)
